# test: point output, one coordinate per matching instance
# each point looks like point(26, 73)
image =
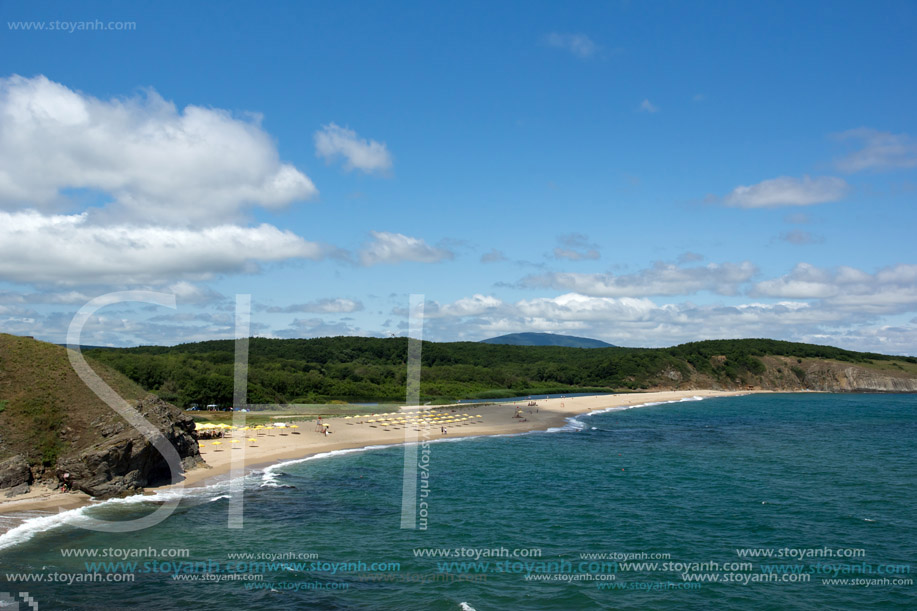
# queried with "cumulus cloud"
point(333, 142)
point(141, 155)
point(67, 250)
point(575, 247)
point(788, 191)
point(647, 106)
point(661, 279)
point(468, 306)
point(640, 322)
point(187, 293)
point(627, 321)
point(579, 45)
point(396, 247)
point(321, 306)
point(880, 151)
point(891, 290)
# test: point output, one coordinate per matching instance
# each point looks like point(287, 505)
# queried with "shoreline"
point(283, 445)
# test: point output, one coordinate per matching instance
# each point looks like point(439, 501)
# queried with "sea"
point(767, 501)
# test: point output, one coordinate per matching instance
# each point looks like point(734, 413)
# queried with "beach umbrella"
point(217, 443)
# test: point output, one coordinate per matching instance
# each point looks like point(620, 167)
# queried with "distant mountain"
point(547, 339)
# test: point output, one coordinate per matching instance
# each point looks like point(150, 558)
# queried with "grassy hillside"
point(369, 369)
point(45, 409)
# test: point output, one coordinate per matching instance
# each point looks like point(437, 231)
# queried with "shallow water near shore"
point(518, 521)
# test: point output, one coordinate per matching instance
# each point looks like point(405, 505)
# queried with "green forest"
point(358, 369)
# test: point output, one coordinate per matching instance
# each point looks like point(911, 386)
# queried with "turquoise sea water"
point(810, 476)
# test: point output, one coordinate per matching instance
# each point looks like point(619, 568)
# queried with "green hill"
point(52, 424)
point(370, 369)
point(45, 409)
point(546, 339)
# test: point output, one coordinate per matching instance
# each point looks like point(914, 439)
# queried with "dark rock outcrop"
point(17, 490)
point(14, 472)
point(126, 461)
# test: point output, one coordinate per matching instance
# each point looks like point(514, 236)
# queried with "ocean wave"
point(574, 423)
point(270, 476)
point(33, 525)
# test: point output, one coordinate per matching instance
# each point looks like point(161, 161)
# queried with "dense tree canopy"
point(371, 369)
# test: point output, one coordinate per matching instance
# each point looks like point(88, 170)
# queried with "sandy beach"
point(273, 446)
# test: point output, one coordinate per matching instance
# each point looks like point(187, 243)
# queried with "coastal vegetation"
point(51, 423)
point(357, 369)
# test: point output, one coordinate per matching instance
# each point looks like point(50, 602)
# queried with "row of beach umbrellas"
point(415, 420)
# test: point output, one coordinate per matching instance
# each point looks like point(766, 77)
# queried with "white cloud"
point(188, 294)
point(396, 247)
point(880, 151)
point(889, 291)
point(321, 306)
point(140, 154)
point(788, 191)
point(333, 141)
point(647, 106)
point(67, 250)
point(577, 44)
point(661, 279)
point(468, 306)
point(628, 321)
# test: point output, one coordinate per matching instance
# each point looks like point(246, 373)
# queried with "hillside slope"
point(53, 423)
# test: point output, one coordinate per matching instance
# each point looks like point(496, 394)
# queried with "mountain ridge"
point(547, 339)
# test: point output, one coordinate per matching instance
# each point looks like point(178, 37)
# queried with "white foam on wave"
point(34, 525)
point(466, 607)
point(575, 424)
point(271, 475)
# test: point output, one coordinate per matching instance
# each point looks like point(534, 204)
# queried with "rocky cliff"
point(52, 425)
point(126, 461)
point(789, 374)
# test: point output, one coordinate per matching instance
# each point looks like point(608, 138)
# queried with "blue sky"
point(643, 173)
